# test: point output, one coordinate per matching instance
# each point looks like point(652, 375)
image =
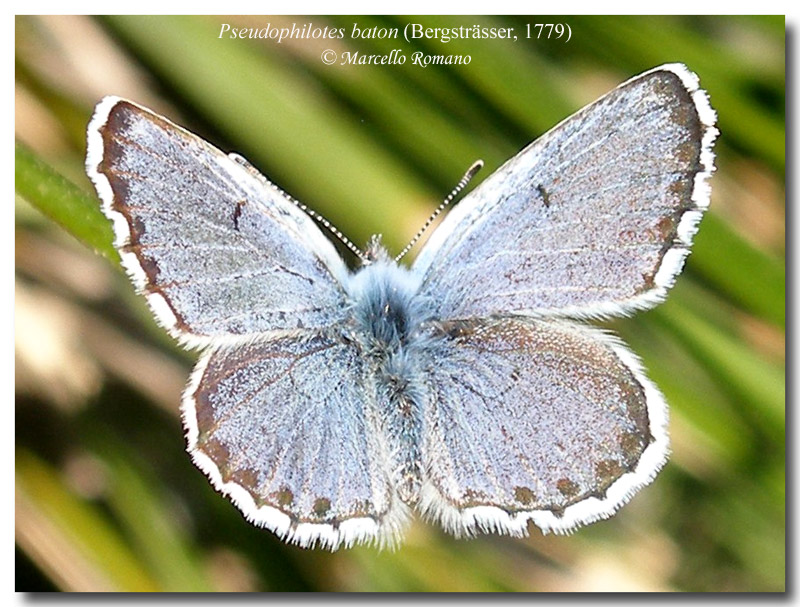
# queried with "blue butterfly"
point(329, 403)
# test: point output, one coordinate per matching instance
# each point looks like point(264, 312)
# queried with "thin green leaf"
point(63, 202)
point(747, 275)
point(748, 376)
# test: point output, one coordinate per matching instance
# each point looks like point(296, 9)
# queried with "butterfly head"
point(375, 251)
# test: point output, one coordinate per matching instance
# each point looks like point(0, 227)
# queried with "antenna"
point(238, 158)
point(332, 229)
point(476, 166)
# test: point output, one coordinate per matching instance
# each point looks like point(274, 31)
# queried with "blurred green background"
point(107, 499)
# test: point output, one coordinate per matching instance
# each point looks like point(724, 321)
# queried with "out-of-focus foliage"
point(106, 498)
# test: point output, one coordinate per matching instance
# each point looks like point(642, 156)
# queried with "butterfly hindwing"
point(287, 429)
point(546, 420)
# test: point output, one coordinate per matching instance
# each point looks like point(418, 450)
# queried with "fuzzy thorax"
point(385, 307)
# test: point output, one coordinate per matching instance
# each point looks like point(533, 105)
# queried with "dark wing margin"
point(594, 219)
point(218, 251)
point(287, 431)
point(543, 420)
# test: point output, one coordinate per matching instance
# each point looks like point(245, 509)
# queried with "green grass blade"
point(63, 202)
point(154, 530)
point(749, 378)
point(746, 275)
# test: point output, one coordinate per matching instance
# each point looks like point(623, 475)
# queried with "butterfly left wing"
point(541, 420)
point(217, 250)
point(287, 429)
point(593, 219)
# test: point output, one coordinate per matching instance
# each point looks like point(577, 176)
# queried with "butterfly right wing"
point(288, 430)
point(218, 251)
point(593, 219)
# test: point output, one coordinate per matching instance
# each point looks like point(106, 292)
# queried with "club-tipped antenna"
point(476, 166)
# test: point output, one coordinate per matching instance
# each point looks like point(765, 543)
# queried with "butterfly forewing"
point(218, 251)
point(594, 218)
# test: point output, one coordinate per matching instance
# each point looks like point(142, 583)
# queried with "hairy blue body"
point(390, 323)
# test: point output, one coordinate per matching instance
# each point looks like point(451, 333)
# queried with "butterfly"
point(329, 404)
